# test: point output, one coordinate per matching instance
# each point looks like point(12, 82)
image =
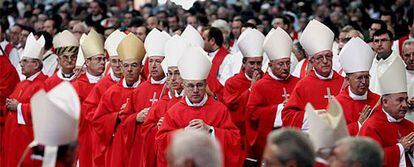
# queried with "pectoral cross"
point(328, 94)
point(154, 99)
point(285, 94)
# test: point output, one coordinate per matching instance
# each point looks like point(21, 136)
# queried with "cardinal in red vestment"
point(94, 55)
point(237, 88)
point(197, 111)
point(66, 47)
point(321, 84)
point(269, 94)
point(18, 123)
point(387, 124)
point(144, 97)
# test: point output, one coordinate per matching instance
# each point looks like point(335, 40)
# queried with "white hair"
point(363, 151)
point(195, 146)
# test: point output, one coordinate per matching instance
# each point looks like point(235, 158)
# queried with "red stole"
point(212, 81)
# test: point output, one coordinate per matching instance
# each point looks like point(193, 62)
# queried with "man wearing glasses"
point(66, 47)
point(356, 99)
point(115, 73)
point(321, 84)
point(199, 112)
point(94, 55)
point(18, 127)
point(382, 40)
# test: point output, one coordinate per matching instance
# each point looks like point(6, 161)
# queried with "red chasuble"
point(352, 108)
point(20, 135)
point(150, 128)
point(89, 106)
point(212, 81)
point(145, 95)
point(387, 134)
point(83, 88)
point(109, 143)
point(265, 96)
point(309, 89)
point(53, 81)
point(236, 94)
point(8, 81)
point(213, 113)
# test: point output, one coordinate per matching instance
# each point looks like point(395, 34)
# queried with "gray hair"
point(407, 42)
point(197, 147)
point(363, 151)
point(295, 146)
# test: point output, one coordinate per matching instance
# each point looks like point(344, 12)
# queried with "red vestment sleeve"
point(293, 112)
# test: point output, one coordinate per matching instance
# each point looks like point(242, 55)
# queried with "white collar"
point(60, 75)
point(357, 97)
point(124, 84)
point(176, 94)
point(190, 104)
point(390, 118)
point(92, 79)
point(270, 72)
point(248, 78)
point(212, 54)
point(322, 77)
point(113, 77)
point(162, 81)
point(33, 77)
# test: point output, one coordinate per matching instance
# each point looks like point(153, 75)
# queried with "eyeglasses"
point(197, 85)
point(362, 77)
point(381, 40)
point(25, 61)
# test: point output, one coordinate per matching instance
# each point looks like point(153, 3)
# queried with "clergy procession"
point(212, 83)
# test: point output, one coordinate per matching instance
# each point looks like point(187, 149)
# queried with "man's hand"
point(364, 114)
point(407, 141)
point(11, 104)
point(256, 76)
point(198, 124)
point(159, 123)
point(142, 115)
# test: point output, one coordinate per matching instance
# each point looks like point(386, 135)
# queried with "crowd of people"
point(207, 83)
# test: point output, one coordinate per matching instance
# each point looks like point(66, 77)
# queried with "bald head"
point(194, 149)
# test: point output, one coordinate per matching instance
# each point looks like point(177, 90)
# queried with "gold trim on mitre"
point(131, 47)
point(65, 42)
point(92, 45)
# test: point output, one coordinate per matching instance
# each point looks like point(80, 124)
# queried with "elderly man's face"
point(195, 90)
point(342, 40)
point(23, 37)
point(236, 28)
point(78, 30)
point(67, 61)
point(280, 67)
point(132, 70)
point(175, 80)
point(116, 66)
point(358, 82)
point(155, 68)
point(15, 32)
point(29, 66)
point(322, 62)
point(395, 104)
point(408, 56)
point(96, 64)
